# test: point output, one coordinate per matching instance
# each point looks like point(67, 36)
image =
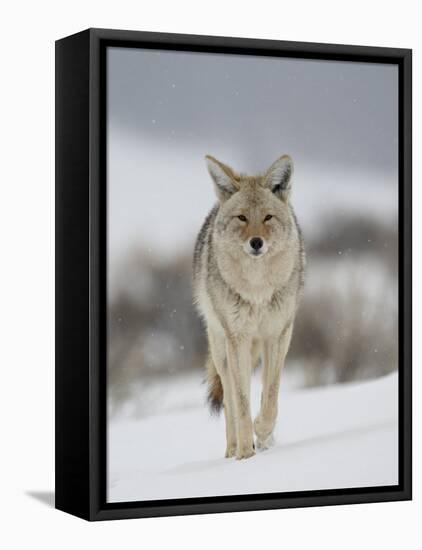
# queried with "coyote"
point(249, 265)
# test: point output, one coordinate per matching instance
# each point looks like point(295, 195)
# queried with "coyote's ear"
point(225, 179)
point(279, 175)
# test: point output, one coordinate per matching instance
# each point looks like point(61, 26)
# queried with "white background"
point(27, 272)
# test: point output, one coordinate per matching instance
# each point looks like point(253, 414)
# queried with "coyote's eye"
point(242, 218)
point(267, 217)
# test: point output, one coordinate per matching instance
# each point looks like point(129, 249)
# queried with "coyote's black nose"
point(256, 243)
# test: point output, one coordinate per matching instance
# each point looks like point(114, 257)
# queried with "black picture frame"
point(81, 215)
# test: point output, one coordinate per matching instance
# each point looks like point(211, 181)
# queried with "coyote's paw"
point(264, 433)
point(230, 451)
point(265, 443)
point(264, 437)
point(245, 452)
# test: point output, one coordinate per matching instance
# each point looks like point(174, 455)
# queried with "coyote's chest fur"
point(252, 297)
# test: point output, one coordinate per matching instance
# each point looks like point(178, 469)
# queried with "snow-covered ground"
point(333, 437)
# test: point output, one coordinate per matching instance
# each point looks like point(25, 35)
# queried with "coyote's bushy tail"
point(215, 388)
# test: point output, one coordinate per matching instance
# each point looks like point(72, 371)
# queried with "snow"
point(332, 437)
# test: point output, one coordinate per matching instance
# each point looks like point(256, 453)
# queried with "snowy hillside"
point(183, 180)
point(332, 437)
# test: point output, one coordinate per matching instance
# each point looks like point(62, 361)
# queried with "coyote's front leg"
point(218, 356)
point(275, 351)
point(239, 366)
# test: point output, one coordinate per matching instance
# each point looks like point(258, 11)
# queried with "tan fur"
point(248, 297)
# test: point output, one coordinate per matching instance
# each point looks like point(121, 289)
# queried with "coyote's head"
point(254, 217)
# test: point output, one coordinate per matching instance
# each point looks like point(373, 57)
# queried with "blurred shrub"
point(153, 328)
point(344, 336)
point(347, 325)
point(346, 235)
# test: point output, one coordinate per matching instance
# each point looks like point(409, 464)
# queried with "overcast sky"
point(326, 111)
point(166, 110)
